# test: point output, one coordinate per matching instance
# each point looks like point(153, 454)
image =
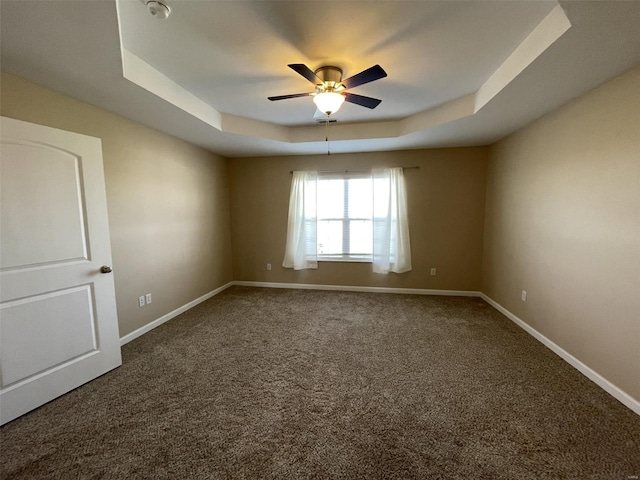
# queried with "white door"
point(58, 322)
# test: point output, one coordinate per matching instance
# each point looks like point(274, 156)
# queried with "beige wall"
point(446, 209)
point(168, 203)
point(563, 223)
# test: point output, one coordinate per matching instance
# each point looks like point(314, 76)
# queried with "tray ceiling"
point(459, 73)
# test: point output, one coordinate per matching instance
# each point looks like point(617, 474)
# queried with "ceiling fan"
point(330, 90)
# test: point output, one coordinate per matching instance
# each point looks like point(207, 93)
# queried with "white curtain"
point(301, 249)
point(391, 248)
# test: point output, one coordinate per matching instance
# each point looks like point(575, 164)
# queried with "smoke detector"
point(158, 8)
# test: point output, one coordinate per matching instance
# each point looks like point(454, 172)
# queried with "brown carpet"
point(284, 384)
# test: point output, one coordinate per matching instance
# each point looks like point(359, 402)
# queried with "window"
point(345, 224)
point(348, 217)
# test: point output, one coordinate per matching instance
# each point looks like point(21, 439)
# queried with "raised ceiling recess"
point(162, 57)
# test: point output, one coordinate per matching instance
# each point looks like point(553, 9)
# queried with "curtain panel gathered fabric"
point(301, 248)
point(391, 246)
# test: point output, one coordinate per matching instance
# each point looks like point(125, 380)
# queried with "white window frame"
point(346, 220)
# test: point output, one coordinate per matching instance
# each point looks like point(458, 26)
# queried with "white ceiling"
point(459, 72)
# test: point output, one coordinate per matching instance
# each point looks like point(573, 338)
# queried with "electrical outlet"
point(141, 301)
point(268, 266)
point(524, 295)
point(148, 296)
point(433, 272)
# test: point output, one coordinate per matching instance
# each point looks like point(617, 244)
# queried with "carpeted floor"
point(295, 384)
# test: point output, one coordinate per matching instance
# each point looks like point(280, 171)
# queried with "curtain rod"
point(361, 170)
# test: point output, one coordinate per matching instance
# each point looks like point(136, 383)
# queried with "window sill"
point(345, 258)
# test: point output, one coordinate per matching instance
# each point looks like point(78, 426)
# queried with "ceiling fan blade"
point(294, 95)
point(369, 75)
point(305, 71)
point(361, 100)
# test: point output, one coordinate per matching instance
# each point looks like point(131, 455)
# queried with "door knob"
point(106, 269)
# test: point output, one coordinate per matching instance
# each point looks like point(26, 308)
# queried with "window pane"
point(329, 237)
point(361, 237)
point(360, 197)
point(331, 199)
point(345, 211)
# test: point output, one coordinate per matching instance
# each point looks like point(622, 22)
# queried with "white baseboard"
point(165, 318)
point(592, 375)
point(348, 288)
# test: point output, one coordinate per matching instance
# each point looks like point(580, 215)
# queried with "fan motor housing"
point(331, 76)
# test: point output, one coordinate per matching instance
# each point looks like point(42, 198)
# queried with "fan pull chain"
point(326, 138)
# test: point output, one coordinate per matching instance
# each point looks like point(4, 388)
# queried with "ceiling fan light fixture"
point(328, 102)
